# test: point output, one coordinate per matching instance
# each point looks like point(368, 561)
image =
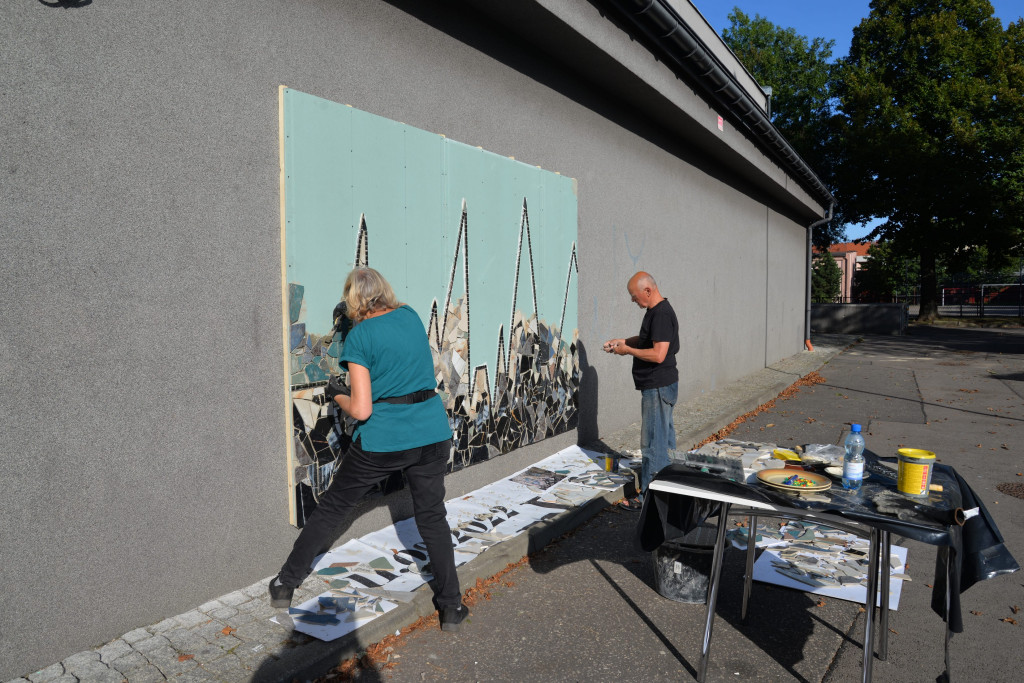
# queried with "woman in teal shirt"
point(402, 426)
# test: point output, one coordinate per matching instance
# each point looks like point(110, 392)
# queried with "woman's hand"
point(359, 405)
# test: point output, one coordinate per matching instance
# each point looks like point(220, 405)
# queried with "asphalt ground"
point(573, 599)
point(583, 608)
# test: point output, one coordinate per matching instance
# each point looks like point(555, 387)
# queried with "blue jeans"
point(657, 433)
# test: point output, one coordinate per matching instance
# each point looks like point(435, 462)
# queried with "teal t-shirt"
point(394, 348)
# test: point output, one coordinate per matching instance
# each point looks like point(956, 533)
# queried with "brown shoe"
point(632, 504)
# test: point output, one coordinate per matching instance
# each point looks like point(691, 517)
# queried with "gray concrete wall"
point(786, 285)
point(859, 318)
point(142, 413)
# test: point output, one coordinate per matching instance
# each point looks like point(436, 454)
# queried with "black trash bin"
point(682, 566)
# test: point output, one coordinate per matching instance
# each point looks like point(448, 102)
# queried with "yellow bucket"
point(915, 471)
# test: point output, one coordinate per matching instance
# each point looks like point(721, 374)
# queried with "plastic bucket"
point(682, 566)
point(915, 471)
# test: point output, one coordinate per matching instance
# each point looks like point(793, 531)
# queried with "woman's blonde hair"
point(367, 291)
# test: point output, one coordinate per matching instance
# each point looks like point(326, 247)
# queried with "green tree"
point(825, 279)
point(931, 94)
point(887, 272)
point(800, 74)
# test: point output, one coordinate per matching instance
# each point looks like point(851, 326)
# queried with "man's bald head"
point(642, 279)
point(643, 290)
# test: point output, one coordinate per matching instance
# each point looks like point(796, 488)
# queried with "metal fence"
point(988, 300)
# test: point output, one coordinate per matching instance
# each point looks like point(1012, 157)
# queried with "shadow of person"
point(586, 427)
point(779, 620)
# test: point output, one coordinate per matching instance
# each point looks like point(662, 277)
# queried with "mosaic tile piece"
point(295, 297)
point(315, 374)
point(298, 335)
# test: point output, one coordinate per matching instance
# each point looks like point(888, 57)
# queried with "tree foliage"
point(931, 95)
point(889, 271)
point(825, 279)
point(800, 74)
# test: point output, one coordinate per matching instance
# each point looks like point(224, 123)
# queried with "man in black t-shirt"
point(654, 374)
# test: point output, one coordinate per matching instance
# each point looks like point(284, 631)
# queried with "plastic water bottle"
point(853, 461)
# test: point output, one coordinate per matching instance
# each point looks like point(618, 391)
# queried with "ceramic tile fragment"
point(831, 568)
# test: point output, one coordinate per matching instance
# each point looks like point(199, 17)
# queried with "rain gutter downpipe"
point(810, 263)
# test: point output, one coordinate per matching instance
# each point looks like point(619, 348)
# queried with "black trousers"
point(360, 470)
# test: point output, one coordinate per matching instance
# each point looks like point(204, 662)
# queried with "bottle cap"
point(855, 427)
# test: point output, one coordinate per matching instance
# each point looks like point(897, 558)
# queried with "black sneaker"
point(280, 595)
point(632, 504)
point(452, 617)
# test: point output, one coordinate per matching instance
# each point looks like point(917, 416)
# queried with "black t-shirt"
point(659, 325)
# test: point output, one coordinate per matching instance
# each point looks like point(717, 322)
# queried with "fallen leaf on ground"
point(976, 613)
point(1009, 620)
point(892, 630)
point(821, 602)
point(185, 658)
point(1015, 609)
point(227, 630)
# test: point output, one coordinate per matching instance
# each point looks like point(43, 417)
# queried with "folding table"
point(681, 497)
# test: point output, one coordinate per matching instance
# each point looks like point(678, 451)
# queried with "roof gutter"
point(660, 23)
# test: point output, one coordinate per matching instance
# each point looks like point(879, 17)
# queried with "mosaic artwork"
point(368, 576)
point(446, 221)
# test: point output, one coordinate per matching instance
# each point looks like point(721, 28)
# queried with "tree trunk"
point(929, 287)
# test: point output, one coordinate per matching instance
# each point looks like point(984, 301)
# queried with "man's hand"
point(335, 386)
point(616, 346)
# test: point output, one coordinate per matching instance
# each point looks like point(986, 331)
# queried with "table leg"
point(713, 581)
point(949, 634)
point(869, 605)
point(884, 569)
point(748, 578)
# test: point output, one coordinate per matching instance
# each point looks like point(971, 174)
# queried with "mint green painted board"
point(410, 184)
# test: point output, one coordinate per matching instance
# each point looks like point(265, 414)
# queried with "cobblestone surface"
point(231, 638)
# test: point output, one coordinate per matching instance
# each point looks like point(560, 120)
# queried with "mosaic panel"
point(340, 161)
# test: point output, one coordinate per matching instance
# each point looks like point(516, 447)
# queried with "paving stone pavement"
point(231, 639)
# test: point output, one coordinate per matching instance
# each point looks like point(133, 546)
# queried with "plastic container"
point(853, 461)
point(914, 473)
point(682, 566)
point(786, 455)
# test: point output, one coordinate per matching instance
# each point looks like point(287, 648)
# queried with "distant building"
point(850, 257)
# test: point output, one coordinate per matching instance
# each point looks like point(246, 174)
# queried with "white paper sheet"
point(766, 572)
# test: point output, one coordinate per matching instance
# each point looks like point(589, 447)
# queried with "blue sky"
point(822, 19)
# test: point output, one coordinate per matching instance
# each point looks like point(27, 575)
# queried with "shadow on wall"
point(579, 72)
point(587, 430)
